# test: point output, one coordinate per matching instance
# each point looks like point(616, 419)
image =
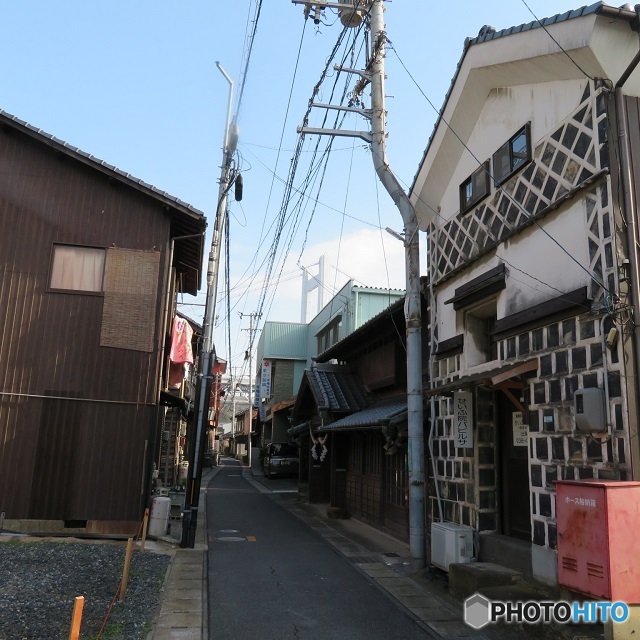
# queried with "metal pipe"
point(605, 366)
point(255, 390)
point(632, 235)
point(413, 311)
point(225, 144)
point(629, 208)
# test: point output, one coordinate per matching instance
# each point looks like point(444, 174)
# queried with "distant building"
point(286, 349)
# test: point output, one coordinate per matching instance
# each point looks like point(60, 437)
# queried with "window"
point(512, 155)
point(480, 343)
point(396, 481)
point(475, 188)
point(329, 335)
point(77, 268)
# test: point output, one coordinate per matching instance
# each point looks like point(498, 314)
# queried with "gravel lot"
point(39, 581)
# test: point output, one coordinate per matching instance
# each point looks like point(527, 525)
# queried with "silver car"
point(281, 458)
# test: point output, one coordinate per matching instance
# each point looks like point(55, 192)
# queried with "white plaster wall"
point(537, 268)
point(597, 45)
point(504, 113)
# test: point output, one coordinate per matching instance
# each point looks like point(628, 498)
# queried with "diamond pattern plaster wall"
point(570, 162)
point(562, 162)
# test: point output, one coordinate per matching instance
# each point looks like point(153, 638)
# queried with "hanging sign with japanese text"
point(265, 381)
point(463, 419)
point(520, 430)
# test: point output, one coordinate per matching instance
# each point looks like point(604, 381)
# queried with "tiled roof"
point(372, 417)
point(298, 429)
point(487, 33)
point(335, 388)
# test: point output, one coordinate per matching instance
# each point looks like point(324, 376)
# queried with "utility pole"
point(251, 329)
point(205, 373)
point(352, 14)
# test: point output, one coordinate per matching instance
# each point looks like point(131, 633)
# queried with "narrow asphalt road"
point(272, 577)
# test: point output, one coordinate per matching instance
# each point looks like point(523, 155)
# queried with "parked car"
point(281, 458)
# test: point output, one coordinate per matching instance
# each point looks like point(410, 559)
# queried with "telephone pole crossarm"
point(365, 135)
point(365, 113)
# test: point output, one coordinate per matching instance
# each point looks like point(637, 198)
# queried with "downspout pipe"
point(630, 211)
point(630, 215)
point(412, 310)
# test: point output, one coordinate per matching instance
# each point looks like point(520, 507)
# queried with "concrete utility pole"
point(251, 329)
point(352, 14)
point(205, 373)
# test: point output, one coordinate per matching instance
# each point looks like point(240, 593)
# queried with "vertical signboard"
point(520, 430)
point(463, 419)
point(265, 380)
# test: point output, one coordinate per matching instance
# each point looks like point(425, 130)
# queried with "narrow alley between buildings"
point(272, 576)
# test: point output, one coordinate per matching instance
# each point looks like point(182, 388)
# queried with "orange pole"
point(76, 620)
point(145, 523)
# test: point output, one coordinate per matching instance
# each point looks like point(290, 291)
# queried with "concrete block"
point(469, 578)
point(545, 565)
point(508, 552)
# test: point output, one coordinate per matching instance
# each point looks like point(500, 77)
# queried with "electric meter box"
point(598, 543)
point(588, 406)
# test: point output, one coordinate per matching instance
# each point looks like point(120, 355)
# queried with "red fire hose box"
point(599, 538)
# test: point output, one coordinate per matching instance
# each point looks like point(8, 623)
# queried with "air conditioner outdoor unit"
point(450, 543)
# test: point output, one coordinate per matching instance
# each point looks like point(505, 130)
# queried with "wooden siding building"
point(353, 406)
point(90, 262)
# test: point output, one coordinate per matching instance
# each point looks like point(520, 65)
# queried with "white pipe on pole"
point(412, 310)
point(194, 476)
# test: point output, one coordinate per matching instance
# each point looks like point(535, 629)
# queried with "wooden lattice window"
point(396, 483)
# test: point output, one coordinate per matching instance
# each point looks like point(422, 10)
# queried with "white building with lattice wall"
point(521, 191)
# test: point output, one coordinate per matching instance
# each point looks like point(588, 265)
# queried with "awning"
point(491, 377)
point(168, 399)
point(373, 417)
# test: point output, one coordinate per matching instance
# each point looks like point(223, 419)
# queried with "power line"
point(566, 53)
point(500, 187)
point(282, 217)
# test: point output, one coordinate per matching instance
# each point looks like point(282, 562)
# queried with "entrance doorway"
point(514, 471)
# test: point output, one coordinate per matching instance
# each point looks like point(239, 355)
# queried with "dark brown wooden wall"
point(74, 458)
point(368, 479)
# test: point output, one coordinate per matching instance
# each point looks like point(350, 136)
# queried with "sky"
point(136, 84)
